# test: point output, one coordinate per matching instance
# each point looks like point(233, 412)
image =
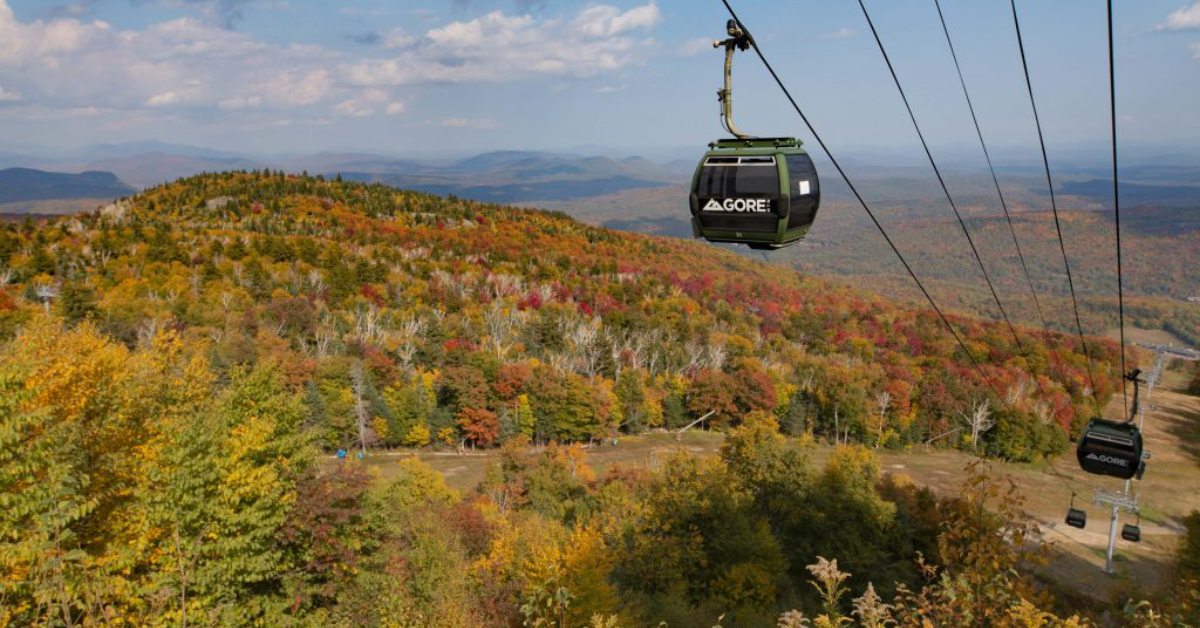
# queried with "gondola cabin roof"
point(769, 143)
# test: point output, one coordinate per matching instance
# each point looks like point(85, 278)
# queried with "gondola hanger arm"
point(738, 39)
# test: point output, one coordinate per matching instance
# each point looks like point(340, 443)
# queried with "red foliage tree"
point(463, 387)
point(713, 391)
point(512, 380)
point(325, 531)
point(753, 388)
point(479, 425)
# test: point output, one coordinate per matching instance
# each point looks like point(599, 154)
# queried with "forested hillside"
point(450, 321)
point(1160, 243)
point(165, 431)
point(27, 184)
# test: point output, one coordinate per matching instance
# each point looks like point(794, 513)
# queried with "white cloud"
point(499, 47)
point(38, 112)
point(1186, 18)
point(299, 88)
point(196, 68)
point(66, 63)
point(165, 98)
point(362, 104)
point(397, 38)
point(696, 46)
point(235, 103)
point(605, 21)
point(840, 33)
point(1196, 50)
point(609, 89)
point(465, 123)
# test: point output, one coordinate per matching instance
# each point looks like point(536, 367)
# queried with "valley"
point(1161, 245)
point(256, 323)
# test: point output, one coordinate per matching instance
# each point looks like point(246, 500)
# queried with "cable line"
point(1054, 204)
point(1000, 194)
point(861, 201)
point(1112, 102)
point(995, 180)
point(937, 171)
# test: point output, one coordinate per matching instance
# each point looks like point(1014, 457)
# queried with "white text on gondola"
point(758, 205)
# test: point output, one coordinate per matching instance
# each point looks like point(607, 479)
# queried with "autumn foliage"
point(146, 486)
point(474, 323)
point(210, 340)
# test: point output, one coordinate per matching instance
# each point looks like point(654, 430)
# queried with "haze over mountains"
point(499, 176)
point(578, 172)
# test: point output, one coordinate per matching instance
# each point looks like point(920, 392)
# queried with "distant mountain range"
point(500, 176)
point(147, 169)
point(26, 184)
point(553, 178)
point(521, 176)
point(1136, 194)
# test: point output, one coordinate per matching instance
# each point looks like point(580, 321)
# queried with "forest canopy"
point(177, 369)
point(405, 319)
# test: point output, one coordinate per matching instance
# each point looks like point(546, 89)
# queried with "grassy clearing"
point(1146, 336)
point(1167, 493)
point(465, 471)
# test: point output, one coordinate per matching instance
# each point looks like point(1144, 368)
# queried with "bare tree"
point(884, 401)
point(407, 333)
point(361, 411)
point(545, 293)
point(503, 285)
point(696, 355)
point(716, 356)
point(325, 334)
point(414, 253)
point(1017, 392)
point(147, 330)
point(979, 420)
point(1043, 412)
point(316, 281)
point(369, 326)
point(806, 383)
point(459, 285)
point(502, 322)
point(560, 362)
point(583, 344)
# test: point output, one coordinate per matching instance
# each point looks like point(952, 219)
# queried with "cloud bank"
point(1187, 18)
point(65, 66)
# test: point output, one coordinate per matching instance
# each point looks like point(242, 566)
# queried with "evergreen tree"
point(77, 302)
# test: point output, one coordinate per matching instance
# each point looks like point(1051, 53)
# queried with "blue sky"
point(463, 76)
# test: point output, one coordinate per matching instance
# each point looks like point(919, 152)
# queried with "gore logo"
point(757, 205)
point(1121, 462)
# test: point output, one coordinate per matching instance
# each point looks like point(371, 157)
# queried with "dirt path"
point(1169, 491)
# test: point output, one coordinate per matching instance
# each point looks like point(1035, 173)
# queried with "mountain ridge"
point(30, 184)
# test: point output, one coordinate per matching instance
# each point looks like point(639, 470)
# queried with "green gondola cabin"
point(763, 192)
point(1110, 448)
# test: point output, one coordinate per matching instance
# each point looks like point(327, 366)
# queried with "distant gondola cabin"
point(1110, 448)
